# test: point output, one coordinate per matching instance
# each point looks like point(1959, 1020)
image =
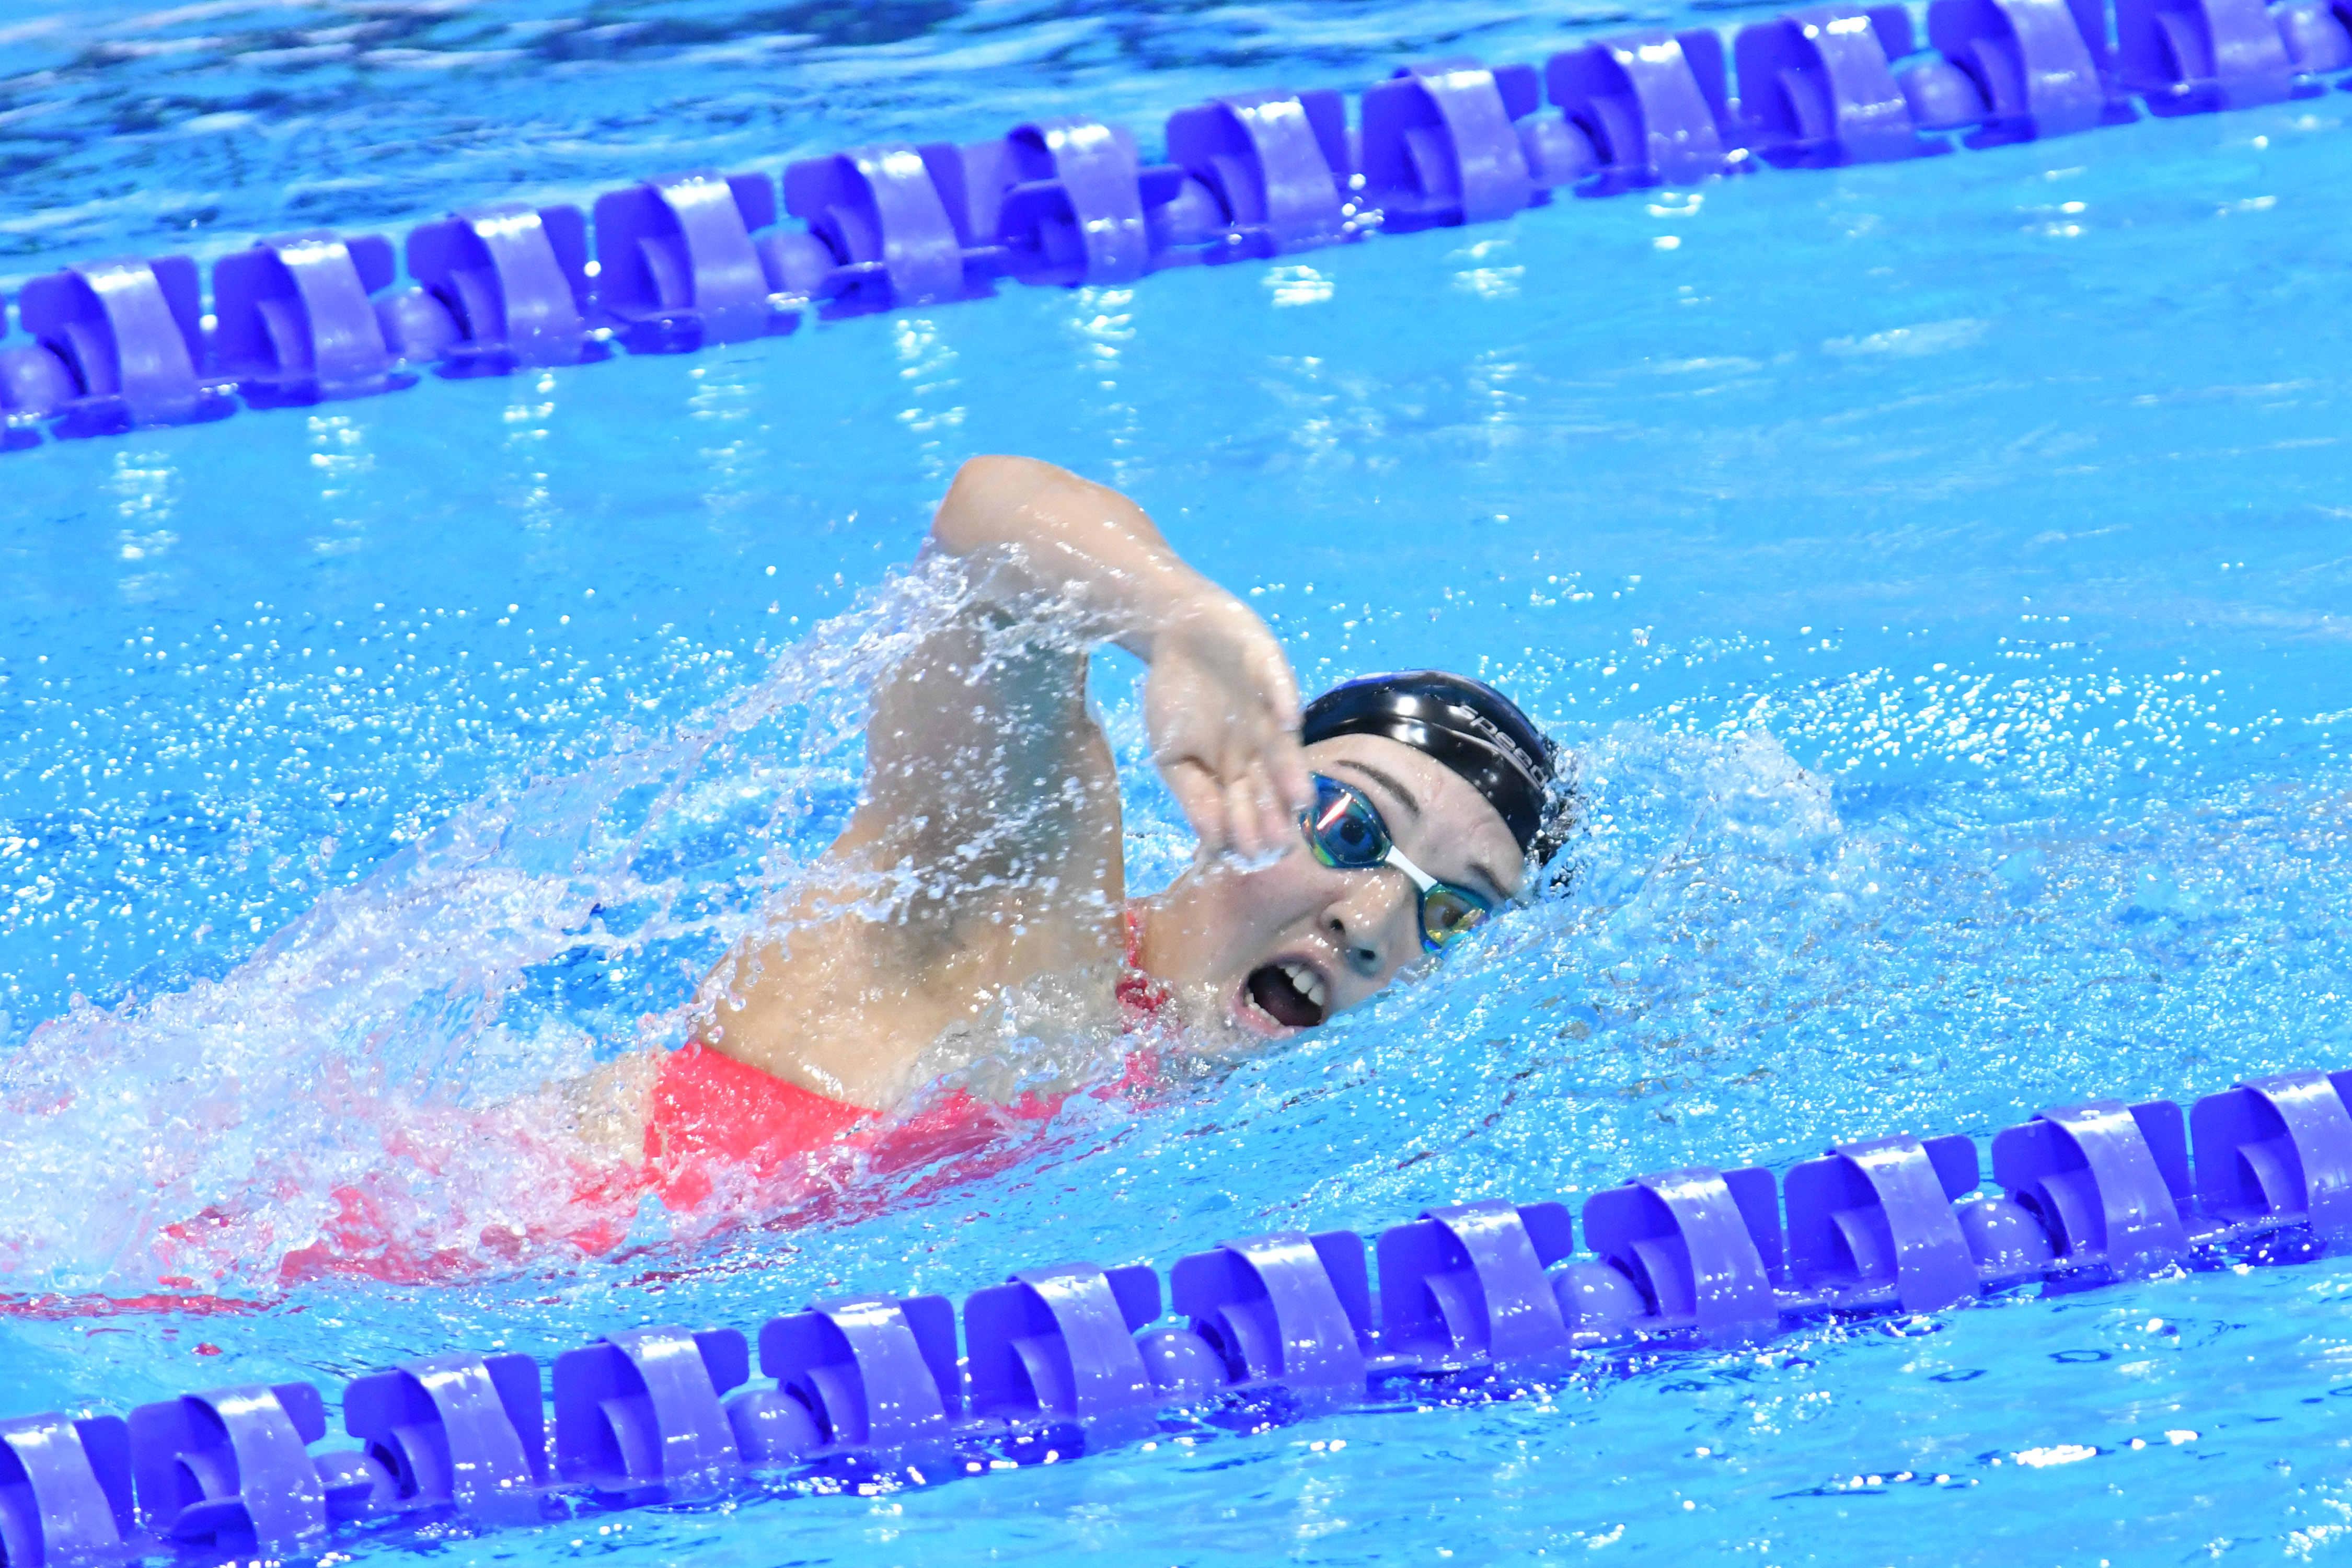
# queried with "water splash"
point(1757, 956)
point(359, 1093)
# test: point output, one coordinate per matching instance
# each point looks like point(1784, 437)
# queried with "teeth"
point(1310, 984)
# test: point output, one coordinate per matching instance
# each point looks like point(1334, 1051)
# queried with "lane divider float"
point(683, 261)
point(1071, 1358)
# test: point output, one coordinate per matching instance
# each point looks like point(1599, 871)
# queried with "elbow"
point(982, 501)
point(987, 468)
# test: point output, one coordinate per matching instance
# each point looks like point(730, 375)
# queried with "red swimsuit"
point(707, 1108)
point(712, 1122)
point(710, 1113)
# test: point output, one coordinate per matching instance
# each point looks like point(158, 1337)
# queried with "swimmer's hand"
point(1221, 706)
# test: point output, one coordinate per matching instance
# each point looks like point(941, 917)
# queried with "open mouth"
point(1292, 995)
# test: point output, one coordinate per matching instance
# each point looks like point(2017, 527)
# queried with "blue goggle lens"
point(1345, 833)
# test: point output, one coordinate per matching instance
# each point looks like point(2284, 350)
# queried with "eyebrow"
point(1494, 883)
point(1478, 868)
point(1386, 782)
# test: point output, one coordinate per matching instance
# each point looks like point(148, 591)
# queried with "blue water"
point(1940, 569)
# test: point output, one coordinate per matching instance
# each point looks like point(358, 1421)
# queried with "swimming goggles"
point(1345, 833)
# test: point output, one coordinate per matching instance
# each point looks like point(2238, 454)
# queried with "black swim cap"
point(1469, 726)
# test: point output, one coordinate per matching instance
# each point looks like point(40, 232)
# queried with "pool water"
point(1938, 568)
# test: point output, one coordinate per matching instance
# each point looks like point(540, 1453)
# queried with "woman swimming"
point(1337, 846)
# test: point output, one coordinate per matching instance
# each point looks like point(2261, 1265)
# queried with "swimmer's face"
point(1275, 950)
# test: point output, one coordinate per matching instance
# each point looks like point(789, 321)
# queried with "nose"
point(1363, 922)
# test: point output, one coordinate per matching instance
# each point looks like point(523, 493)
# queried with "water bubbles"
point(361, 1088)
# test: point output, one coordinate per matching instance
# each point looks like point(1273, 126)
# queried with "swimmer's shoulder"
point(852, 1007)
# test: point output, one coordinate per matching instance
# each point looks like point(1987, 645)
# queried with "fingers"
point(1284, 758)
point(1280, 806)
point(1277, 814)
point(1242, 824)
point(1287, 775)
point(1238, 811)
point(1255, 814)
point(1223, 709)
point(1259, 776)
point(1274, 759)
point(1202, 800)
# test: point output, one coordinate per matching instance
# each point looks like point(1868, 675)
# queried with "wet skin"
point(1218, 926)
point(990, 812)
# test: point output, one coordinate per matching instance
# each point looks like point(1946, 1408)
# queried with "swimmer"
point(1338, 846)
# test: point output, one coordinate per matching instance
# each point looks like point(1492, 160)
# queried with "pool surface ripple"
point(1940, 569)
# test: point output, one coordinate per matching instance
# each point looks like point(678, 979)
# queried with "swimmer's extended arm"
point(1221, 702)
point(985, 850)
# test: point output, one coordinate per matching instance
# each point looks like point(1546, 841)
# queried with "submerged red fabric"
point(711, 1123)
point(709, 1109)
